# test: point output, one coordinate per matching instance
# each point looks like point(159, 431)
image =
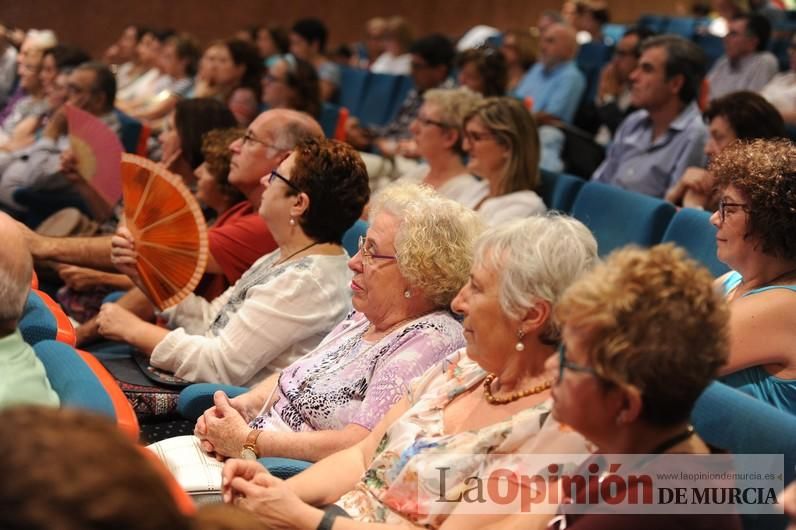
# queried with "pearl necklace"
point(492, 400)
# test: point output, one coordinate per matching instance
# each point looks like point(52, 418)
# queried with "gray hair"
point(453, 104)
point(537, 258)
point(435, 238)
point(16, 272)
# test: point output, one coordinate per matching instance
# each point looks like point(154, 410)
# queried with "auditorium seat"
point(351, 236)
point(692, 230)
point(558, 190)
point(619, 217)
point(352, 88)
point(43, 319)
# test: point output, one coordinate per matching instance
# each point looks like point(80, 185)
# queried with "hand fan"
point(98, 152)
point(168, 227)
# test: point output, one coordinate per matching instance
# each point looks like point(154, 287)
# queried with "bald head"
point(293, 126)
point(16, 270)
point(558, 45)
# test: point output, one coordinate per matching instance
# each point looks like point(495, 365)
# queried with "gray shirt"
point(749, 73)
point(637, 162)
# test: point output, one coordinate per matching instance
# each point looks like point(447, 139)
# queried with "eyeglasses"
point(249, 138)
point(367, 255)
point(563, 362)
point(473, 136)
point(275, 175)
point(425, 121)
point(723, 205)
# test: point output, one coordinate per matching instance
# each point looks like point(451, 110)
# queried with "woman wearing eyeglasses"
point(757, 238)
point(286, 302)
point(643, 334)
point(437, 132)
point(332, 397)
point(502, 142)
point(491, 398)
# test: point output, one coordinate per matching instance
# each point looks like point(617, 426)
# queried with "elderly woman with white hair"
point(491, 398)
point(403, 283)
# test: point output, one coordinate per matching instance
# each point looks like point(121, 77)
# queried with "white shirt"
point(465, 189)
point(781, 92)
point(273, 315)
point(388, 63)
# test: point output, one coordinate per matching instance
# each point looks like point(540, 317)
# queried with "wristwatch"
point(249, 451)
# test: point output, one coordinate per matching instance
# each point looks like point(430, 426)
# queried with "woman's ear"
point(537, 317)
point(452, 137)
point(632, 404)
point(300, 205)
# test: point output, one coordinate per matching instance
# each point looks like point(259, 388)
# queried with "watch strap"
point(327, 521)
point(251, 441)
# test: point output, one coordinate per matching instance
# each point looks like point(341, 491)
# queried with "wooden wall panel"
point(93, 24)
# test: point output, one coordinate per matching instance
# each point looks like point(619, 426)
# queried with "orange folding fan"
point(98, 152)
point(168, 227)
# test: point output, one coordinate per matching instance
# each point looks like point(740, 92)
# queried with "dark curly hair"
point(334, 177)
point(215, 148)
point(764, 171)
point(491, 66)
point(71, 470)
point(750, 115)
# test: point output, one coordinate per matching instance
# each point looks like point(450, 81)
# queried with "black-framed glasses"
point(367, 255)
point(475, 137)
point(723, 205)
point(250, 138)
point(563, 362)
point(426, 121)
point(275, 175)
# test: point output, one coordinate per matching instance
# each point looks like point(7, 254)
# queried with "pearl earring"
point(520, 346)
point(407, 294)
point(292, 221)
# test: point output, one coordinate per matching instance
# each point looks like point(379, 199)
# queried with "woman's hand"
point(117, 323)
point(222, 429)
point(81, 278)
point(123, 254)
point(249, 485)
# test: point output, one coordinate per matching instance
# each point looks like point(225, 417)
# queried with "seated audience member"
point(272, 41)
point(630, 327)
point(308, 38)
point(178, 63)
point(226, 66)
point(213, 189)
point(367, 51)
point(781, 90)
point(33, 104)
point(91, 87)
point(286, 302)
point(8, 66)
point(554, 84)
point(757, 238)
point(745, 65)
point(234, 242)
point(123, 50)
point(129, 68)
point(725, 11)
point(736, 116)
point(432, 61)
point(493, 397)
point(590, 17)
point(502, 143)
point(483, 70)
point(612, 104)
point(23, 378)
point(654, 145)
point(439, 135)
point(143, 88)
point(520, 49)
point(366, 363)
point(397, 39)
point(29, 58)
point(104, 483)
point(54, 60)
point(292, 83)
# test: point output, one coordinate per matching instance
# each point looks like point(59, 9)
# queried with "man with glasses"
point(745, 65)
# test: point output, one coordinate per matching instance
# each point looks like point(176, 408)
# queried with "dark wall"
point(94, 24)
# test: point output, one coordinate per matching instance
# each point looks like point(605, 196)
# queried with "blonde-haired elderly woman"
point(643, 334)
point(438, 135)
point(491, 398)
point(412, 262)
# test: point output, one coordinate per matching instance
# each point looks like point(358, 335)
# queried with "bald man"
point(554, 83)
point(22, 378)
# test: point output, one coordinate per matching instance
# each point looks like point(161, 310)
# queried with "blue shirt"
point(755, 380)
point(555, 90)
point(636, 162)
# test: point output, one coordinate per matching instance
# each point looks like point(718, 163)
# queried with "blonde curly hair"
point(652, 320)
point(434, 242)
